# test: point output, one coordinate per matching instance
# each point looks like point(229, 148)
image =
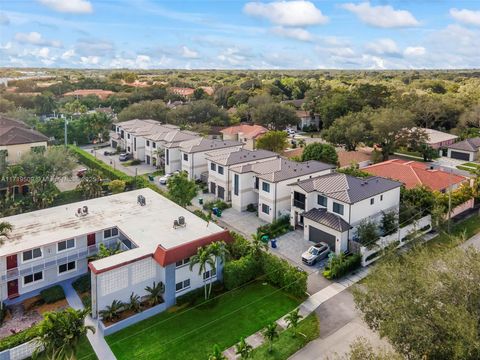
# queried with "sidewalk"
point(307, 307)
point(99, 345)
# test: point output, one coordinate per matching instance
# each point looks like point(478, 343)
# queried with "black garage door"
point(460, 156)
point(317, 235)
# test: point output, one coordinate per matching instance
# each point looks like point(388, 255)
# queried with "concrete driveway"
point(245, 223)
point(67, 184)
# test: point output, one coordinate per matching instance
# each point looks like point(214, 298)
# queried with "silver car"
point(315, 253)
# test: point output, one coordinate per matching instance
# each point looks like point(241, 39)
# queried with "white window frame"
point(33, 277)
point(111, 233)
point(66, 243)
point(32, 259)
point(183, 285)
point(267, 185)
point(268, 208)
point(209, 272)
point(184, 262)
point(67, 271)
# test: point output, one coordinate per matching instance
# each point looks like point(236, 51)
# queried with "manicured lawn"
point(85, 351)
point(470, 164)
point(286, 344)
point(470, 227)
point(67, 197)
point(191, 333)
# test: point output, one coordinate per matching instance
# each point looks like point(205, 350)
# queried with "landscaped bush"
point(251, 208)
point(217, 203)
point(82, 284)
point(277, 228)
point(18, 338)
point(280, 273)
point(239, 247)
point(200, 214)
point(52, 294)
point(339, 265)
point(241, 271)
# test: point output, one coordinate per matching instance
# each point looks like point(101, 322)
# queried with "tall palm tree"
point(292, 319)
point(219, 251)
point(270, 333)
point(216, 354)
point(60, 331)
point(243, 349)
point(202, 258)
point(257, 246)
point(5, 229)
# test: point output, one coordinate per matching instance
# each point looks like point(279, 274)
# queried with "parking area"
point(245, 223)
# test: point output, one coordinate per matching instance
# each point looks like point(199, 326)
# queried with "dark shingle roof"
point(330, 220)
point(240, 156)
point(347, 188)
point(472, 144)
point(14, 132)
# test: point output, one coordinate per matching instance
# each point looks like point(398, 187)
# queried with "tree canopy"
point(320, 152)
point(273, 141)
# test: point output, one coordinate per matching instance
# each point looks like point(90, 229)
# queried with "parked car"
point(164, 179)
point(125, 157)
point(315, 253)
point(81, 172)
point(291, 132)
point(108, 153)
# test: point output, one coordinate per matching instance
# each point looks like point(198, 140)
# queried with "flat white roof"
point(147, 226)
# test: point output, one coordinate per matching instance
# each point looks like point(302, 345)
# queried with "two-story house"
point(329, 207)
point(219, 164)
point(264, 184)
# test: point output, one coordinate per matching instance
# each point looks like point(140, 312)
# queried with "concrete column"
point(170, 282)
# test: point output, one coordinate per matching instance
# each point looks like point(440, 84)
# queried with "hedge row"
point(280, 273)
point(18, 338)
point(341, 265)
point(52, 294)
point(241, 271)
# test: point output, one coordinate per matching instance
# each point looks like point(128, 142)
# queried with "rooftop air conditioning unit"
point(141, 200)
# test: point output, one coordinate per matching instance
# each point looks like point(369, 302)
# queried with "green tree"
point(198, 112)
point(5, 229)
point(271, 333)
point(60, 332)
point(292, 319)
point(428, 152)
point(91, 184)
point(320, 152)
point(203, 258)
point(349, 130)
point(275, 116)
point(6, 105)
point(361, 349)
point(181, 189)
point(219, 250)
point(243, 349)
point(45, 103)
point(273, 141)
point(74, 107)
point(424, 304)
point(389, 223)
point(148, 109)
point(199, 94)
point(257, 246)
point(116, 186)
point(367, 233)
point(216, 354)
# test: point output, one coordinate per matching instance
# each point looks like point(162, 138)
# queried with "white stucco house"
point(52, 245)
point(265, 184)
point(329, 207)
point(467, 150)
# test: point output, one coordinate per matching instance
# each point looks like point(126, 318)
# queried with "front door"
point(213, 188)
point(12, 287)
point(12, 261)
point(91, 240)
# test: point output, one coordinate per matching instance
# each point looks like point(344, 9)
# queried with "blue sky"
point(230, 34)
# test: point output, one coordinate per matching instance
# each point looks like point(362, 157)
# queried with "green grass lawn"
point(85, 351)
point(470, 164)
point(192, 333)
point(286, 344)
point(470, 227)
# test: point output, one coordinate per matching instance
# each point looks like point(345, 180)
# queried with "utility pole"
point(65, 134)
point(449, 200)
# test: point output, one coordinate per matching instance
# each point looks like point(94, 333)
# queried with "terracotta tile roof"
point(293, 152)
point(347, 158)
point(413, 173)
point(247, 131)
point(182, 91)
point(103, 94)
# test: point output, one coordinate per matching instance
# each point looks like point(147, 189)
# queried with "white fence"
point(422, 226)
point(20, 352)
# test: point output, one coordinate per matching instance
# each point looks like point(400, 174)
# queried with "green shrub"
point(251, 208)
point(52, 294)
point(241, 271)
point(239, 247)
point(82, 284)
point(217, 203)
point(200, 214)
point(18, 338)
point(339, 265)
point(280, 273)
point(86, 301)
point(277, 228)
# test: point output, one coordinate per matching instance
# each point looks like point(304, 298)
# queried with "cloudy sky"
point(195, 34)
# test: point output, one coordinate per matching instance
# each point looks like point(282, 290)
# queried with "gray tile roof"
point(240, 156)
point(347, 188)
point(330, 220)
point(472, 144)
point(282, 169)
point(202, 144)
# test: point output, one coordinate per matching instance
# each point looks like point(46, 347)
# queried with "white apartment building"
point(329, 207)
point(52, 245)
point(219, 164)
point(265, 184)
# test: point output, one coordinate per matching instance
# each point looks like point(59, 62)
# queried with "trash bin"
point(151, 177)
point(265, 238)
point(215, 210)
point(200, 201)
point(273, 243)
point(219, 212)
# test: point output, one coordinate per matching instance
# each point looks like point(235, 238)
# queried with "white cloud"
point(189, 53)
point(293, 33)
point(287, 13)
point(232, 56)
point(35, 38)
point(383, 47)
point(68, 54)
point(383, 16)
point(89, 60)
point(69, 6)
point(466, 16)
point(42, 53)
point(414, 51)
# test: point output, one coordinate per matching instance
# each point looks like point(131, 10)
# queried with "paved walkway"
point(307, 307)
point(99, 345)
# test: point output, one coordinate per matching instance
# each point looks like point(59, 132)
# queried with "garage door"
point(317, 235)
point(460, 156)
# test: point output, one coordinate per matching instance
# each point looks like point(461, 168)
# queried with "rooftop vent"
point(81, 211)
point(141, 200)
point(180, 222)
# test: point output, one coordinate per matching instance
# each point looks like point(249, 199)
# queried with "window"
point(182, 262)
point(265, 209)
point(221, 192)
point(110, 232)
point(338, 208)
point(32, 254)
point(71, 266)
point(29, 279)
point(256, 183)
point(65, 245)
point(372, 201)
point(148, 143)
point(185, 157)
point(182, 285)
point(235, 184)
point(209, 274)
point(213, 166)
point(299, 200)
point(220, 170)
point(322, 200)
point(128, 136)
point(381, 197)
point(128, 149)
point(265, 186)
point(122, 134)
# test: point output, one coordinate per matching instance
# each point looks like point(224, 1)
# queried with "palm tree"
point(5, 229)
point(292, 319)
point(112, 311)
point(104, 251)
point(219, 251)
point(60, 332)
point(12, 173)
point(203, 257)
point(135, 305)
point(216, 354)
point(243, 349)
point(270, 333)
point(155, 293)
point(91, 184)
point(257, 246)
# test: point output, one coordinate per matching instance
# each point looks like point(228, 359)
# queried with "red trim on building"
point(97, 271)
point(170, 256)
